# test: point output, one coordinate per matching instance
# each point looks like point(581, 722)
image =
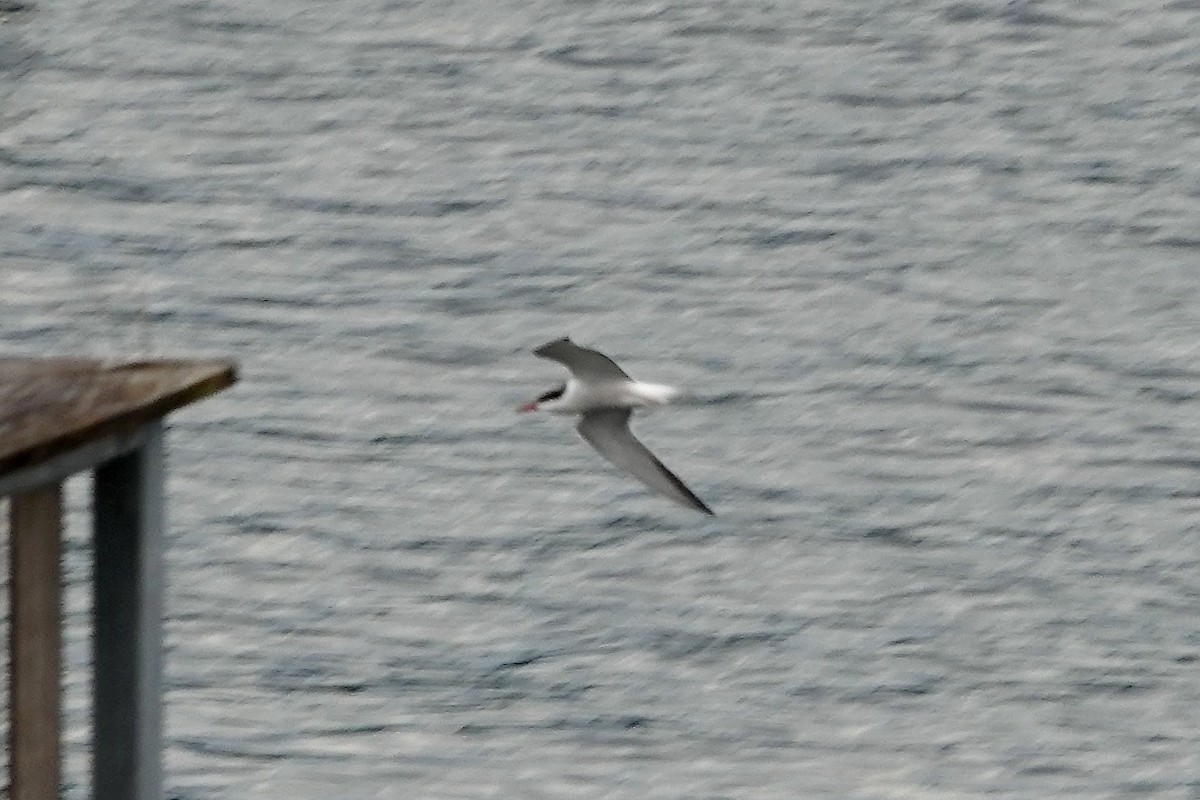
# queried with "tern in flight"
point(604, 397)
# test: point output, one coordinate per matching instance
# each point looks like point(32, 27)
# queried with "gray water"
point(928, 270)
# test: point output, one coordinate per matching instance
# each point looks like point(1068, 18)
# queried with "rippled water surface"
point(928, 270)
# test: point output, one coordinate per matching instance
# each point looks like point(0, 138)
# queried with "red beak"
point(527, 408)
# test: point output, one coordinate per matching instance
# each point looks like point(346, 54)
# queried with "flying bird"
point(604, 397)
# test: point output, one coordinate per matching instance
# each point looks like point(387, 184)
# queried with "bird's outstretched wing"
point(585, 364)
point(608, 432)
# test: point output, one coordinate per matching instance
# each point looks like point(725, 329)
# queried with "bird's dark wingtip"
point(694, 502)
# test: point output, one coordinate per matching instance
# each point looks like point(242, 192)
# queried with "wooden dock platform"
point(59, 417)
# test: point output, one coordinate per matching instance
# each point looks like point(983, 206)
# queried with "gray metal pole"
point(127, 627)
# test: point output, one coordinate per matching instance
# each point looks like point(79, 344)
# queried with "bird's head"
point(549, 396)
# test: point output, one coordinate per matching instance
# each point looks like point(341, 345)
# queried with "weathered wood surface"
point(35, 644)
point(51, 406)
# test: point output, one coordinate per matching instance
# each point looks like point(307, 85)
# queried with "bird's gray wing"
point(584, 363)
point(608, 432)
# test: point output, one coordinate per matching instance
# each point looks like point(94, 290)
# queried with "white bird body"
point(580, 398)
point(605, 396)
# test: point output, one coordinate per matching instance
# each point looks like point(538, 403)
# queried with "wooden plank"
point(35, 643)
point(53, 406)
point(127, 626)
